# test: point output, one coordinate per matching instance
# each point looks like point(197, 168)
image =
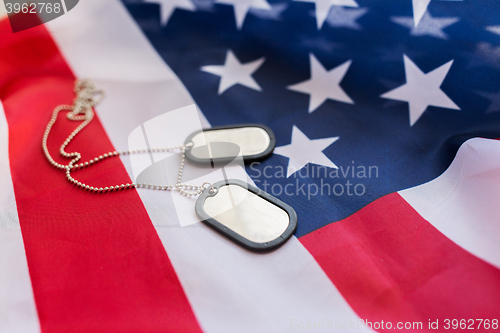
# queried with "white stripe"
point(17, 303)
point(463, 203)
point(229, 289)
point(3, 10)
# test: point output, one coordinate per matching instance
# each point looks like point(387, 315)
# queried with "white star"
point(204, 5)
point(428, 25)
point(303, 150)
point(419, 9)
point(485, 55)
point(274, 14)
point(323, 84)
point(495, 101)
point(422, 90)
point(494, 29)
point(340, 17)
point(234, 72)
point(323, 8)
point(167, 7)
point(241, 8)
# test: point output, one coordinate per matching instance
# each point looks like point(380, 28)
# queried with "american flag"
point(386, 115)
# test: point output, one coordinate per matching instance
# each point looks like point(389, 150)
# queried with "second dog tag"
point(255, 142)
point(248, 216)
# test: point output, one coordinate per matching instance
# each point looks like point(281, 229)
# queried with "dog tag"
point(247, 215)
point(255, 142)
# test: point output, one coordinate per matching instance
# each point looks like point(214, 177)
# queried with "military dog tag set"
point(243, 213)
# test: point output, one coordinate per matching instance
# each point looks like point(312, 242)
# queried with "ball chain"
point(88, 96)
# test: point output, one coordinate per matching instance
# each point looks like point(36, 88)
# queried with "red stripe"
point(5, 26)
point(96, 262)
point(392, 265)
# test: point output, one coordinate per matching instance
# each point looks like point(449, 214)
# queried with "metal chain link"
point(88, 96)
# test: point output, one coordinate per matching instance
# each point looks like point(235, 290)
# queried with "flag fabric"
point(386, 116)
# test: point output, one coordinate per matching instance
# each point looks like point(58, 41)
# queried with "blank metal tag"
point(255, 142)
point(250, 217)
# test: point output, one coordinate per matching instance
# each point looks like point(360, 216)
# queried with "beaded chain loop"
point(88, 96)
